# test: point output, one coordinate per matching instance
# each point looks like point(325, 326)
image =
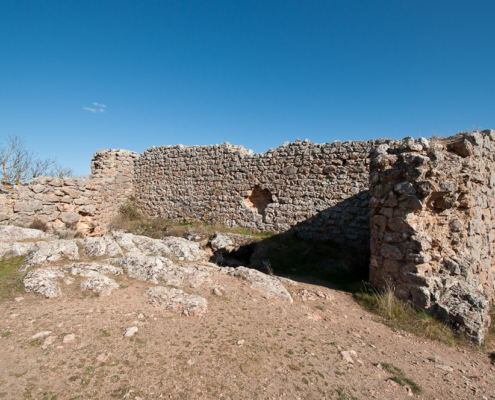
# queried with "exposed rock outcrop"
point(266, 284)
point(177, 301)
point(47, 252)
point(100, 284)
point(44, 281)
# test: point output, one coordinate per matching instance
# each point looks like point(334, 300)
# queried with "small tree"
point(18, 165)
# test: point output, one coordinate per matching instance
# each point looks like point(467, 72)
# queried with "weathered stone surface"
point(68, 338)
point(177, 301)
point(69, 218)
point(46, 252)
point(44, 281)
point(28, 206)
point(130, 331)
point(15, 249)
point(229, 242)
point(179, 248)
point(10, 233)
point(269, 285)
point(160, 269)
point(100, 284)
point(145, 268)
point(102, 246)
point(433, 241)
point(184, 249)
point(92, 269)
point(467, 309)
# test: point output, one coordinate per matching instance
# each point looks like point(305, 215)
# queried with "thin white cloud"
point(100, 108)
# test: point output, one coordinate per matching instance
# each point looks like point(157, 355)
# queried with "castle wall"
point(433, 218)
point(425, 208)
point(320, 190)
point(85, 205)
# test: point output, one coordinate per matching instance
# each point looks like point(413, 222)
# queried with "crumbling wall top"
point(108, 163)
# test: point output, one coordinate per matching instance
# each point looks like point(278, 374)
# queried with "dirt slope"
point(245, 347)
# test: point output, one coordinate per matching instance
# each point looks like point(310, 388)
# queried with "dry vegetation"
point(10, 277)
point(19, 165)
point(403, 316)
point(131, 220)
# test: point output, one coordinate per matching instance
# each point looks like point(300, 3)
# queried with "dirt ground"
point(245, 347)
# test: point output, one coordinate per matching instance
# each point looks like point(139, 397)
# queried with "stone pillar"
point(112, 177)
point(432, 225)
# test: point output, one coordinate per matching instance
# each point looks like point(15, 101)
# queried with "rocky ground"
point(137, 318)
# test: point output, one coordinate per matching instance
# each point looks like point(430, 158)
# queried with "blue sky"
point(255, 73)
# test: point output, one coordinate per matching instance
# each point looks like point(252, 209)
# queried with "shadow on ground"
point(340, 260)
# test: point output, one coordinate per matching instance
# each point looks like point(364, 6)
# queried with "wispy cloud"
point(100, 108)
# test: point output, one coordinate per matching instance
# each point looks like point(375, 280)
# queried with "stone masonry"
point(85, 205)
point(425, 208)
point(433, 219)
point(320, 190)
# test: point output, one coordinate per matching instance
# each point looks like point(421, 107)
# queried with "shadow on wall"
point(332, 246)
point(347, 222)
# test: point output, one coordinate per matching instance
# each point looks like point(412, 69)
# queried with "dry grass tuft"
point(10, 277)
point(37, 224)
point(401, 315)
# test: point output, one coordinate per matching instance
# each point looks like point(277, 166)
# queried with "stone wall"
point(85, 205)
point(431, 204)
point(432, 232)
point(319, 189)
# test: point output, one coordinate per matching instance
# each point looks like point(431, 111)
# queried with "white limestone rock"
point(102, 246)
point(100, 284)
point(179, 248)
point(269, 285)
point(90, 269)
point(145, 268)
point(228, 242)
point(11, 233)
point(15, 249)
point(161, 269)
point(44, 281)
point(130, 331)
point(184, 249)
point(68, 338)
point(40, 335)
point(177, 301)
point(135, 245)
point(45, 252)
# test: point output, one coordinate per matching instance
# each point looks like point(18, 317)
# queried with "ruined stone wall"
point(85, 205)
point(432, 232)
point(112, 174)
point(319, 189)
point(431, 204)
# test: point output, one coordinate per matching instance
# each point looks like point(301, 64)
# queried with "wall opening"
point(258, 199)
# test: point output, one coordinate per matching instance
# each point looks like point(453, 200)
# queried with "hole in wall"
point(258, 199)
